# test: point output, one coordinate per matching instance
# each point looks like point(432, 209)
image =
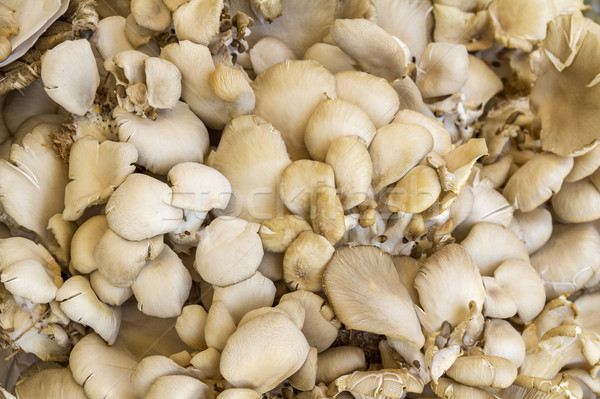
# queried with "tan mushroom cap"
point(483, 371)
point(206, 364)
point(332, 119)
point(471, 29)
point(120, 260)
point(396, 149)
point(416, 191)
point(327, 214)
point(299, 182)
point(391, 383)
point(443, 295)
point(263, 352)
point(163, 81)
point(375, 50)
point(149, 369)
point(304, 379)
point(331, 57)
point(319, 328)
point(353, 170)
point(70, 75)
point(534, 182)
point(498, 303)
point(230, 250)
point(490, 244)
point(180, 386)
point(95, 170)
point(304, 261)
point(219, 325)
point(198, 187)
point(107, 292)
point(136, 34)
point(577, 202)
point(151, 14)
point(57, 382)
point(446, 387)
point(239, 393)
point(443, 69)
point(366, 294)
point(190, 326)
point(198, 21)
point(373, 94)
point(337, 361)
point(110, 37)
point(569, 259)
point(536, 227)
point(267, 52)
point(83, 243)
point(584, 165)
point(175, 136)
point(140, 208)
point(501, 339)
point(442, 142)
point(300, 86)
point(278, 233)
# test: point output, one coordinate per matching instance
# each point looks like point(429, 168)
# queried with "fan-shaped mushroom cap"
point(366, 293)
point(151, 14)
point(175, 136)
point(263, 352)
point(501, 339)
point(198, 21)
point(446, 387)
point(83, 243)
point(335, 362)
point(416, 191)
point(395, 150)
point(102, 370)
point(108, 292)
point(167, 274)
point(304, 261)
point(150, 368)
point(299, 183)
point(335, 118)
point(180, 386)
point(569, 259)
point(252, 156)
point(163, 81)
point(267, 52)
point(140, 208)
point(577, 202)
point(239, 393)
point(536, 227)
point(443, 69)
point(79, 302)
point(120, 260)
point(331, 57)
point(240, 298)
point(301, 86)
point(219, 325)
point(375, 50)
point(534, 182)
point(229, 251)
point(300, 25)
point(95, 170)
point(353, 170)
point(110, 37)
point(198, 187)
point(278, 233)
point(70, 75)
point(190, 326)
point(498, 303)
point(483, 371)
point(471, 29)
point(442, 142)
point(443, 301)
point(53, 382)
point(319, 328)
point(374, 95)
point(483, 242)
point(136, 34)
point(304, 379)
point(127, 67)
point(584, 165)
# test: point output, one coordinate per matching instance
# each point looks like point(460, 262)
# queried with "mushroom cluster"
point(305, 199)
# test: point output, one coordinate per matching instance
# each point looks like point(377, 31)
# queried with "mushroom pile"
point(300, 199)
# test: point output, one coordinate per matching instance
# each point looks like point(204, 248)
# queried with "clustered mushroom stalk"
point(300, 199)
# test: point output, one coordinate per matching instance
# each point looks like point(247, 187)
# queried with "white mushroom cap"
point(120, 260)
point(198, 187)
point(577, 202)
point(70, 75)
point(140, 208)
point(206, 364)
point(332, 119)
point(83, 243)
point(182, 386)
point(230, 250)
point(190, 326)
point(443, 69)
point(79, 302)
point(501, 339)
point(102, 370)
point(263, 352)
point(299, 182)
point(151, 14)
point(163, 81)
point(175, 136)
point(198, 20)
point(375, 50)
point(267, 52)
point(95, 170)
point(107, 292)
point(442, 142)
point(299, 86)
point(536, 227)
point(373, 94)
point(110, 37)
point(127, 67)
point(331, 57)
point(165, 274)
point(29, 279)
point(149, 369)
point(252, 156)
point(53, 382)
point(219, 325)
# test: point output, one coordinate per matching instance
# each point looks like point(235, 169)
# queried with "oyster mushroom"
point(304, 261)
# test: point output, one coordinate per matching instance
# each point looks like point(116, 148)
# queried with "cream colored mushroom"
point(536, 227)
point(56, 382)
point(335, 362)
point(471, 29)
point(442, 142)
point(95, 170)
point(149, 369)
point(304, 261)
point(483, 371)
point(183, 386)
point(416, 191)
point(198, 187)
point(331, 57)
point(278, 233)
point(151, 14)
point(219, 325)
point(107, 292)
point(501, 339)
point(110, 37)
point(299, 183)
point(83, 243)
point(163, 81)
point(335, 118)
point(230, 251)
point(301, 86)
point(140, 208)
point(167, 274)
point(577, 202)
point(267, 52)
point(198, 21)
point(136, 34)
point(79, 302)
point(206, 364)
point(190, 326)
point(442, 69)
point(327, 214)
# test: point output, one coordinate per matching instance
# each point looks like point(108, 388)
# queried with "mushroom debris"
point(299, 198)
